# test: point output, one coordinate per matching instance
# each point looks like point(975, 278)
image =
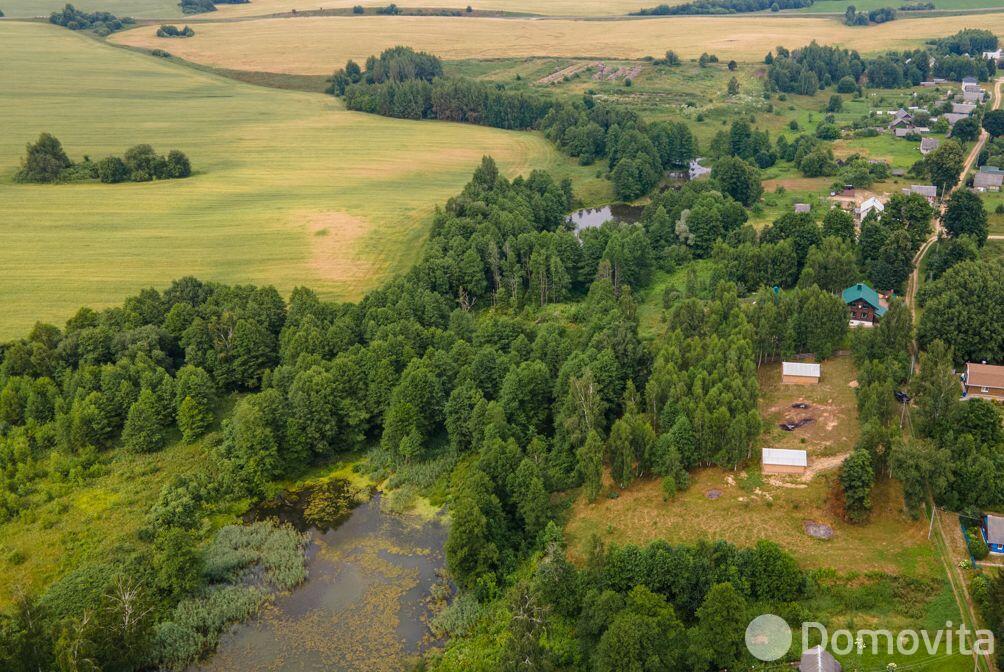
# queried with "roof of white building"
point(785, 457)
point(800, 369)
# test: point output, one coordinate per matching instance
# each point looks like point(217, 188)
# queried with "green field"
point(289, 189)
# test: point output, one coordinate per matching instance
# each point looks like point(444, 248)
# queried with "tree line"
point(174, 31)
point(408, 84)
point(46, 162)
point(814, 67)
point(723, 7)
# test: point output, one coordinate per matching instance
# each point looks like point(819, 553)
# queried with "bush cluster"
point(46, 162)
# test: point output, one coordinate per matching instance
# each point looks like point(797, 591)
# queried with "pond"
point(365, 604)
point(590, 218)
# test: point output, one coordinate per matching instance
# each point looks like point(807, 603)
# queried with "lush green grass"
point(289, 188)
point(88, 520)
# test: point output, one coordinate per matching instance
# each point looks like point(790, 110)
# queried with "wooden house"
point(983, 380)
point(865, 305)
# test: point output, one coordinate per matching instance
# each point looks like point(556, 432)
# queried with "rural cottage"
point(983, 380)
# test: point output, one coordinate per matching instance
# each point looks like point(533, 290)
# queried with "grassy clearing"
point(319, 45)
point(93, 520)
point(833, 408)
point(289, 189)
point(652, 315)
point(990, 202)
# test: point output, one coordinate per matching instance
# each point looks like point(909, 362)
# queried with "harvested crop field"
point(321, 44)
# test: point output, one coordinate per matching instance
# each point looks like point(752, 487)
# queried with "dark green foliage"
point(102, 23)
point(174, 31)
point(738, 179)
point(963, 308)
point(944, 165)
point(112, 170)
point(993, 122)
point(856, 479)
point(44, 161)
point(966, 216)
point(722, 7)
point(143, 432)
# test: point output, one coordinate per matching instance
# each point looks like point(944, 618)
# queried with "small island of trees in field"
point(102, 23)
point(174, 31)
point(47, 163)
point(200, 6)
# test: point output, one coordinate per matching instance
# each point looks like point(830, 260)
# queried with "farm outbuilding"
point(818, 659)
point(784, 461)
point(800, 373)
point(993, 530)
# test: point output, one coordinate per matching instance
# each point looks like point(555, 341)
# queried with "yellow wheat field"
point(319, 45)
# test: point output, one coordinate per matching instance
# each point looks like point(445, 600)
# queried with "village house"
point(985, 381)
point(993, 55)
point(952, 117)
point(802, 207)
point(869, 206)
point(993, 533)
point(988, 181)
point(818, 659)
point(696, 170)
point(973, 95)
point(800, 373)
point(901, 119)
point(783, 461)
point(928, 145)
point(865, 305)
point(963, 108)
point(928, 191)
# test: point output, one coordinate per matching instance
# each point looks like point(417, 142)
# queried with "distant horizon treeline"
point(46, 162)
point(813, 67)
point(407, 84)
point(723, 7)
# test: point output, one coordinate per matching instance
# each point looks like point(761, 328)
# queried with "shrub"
point(977, 545)
point(112, 170)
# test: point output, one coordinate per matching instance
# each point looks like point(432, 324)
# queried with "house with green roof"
point(865, 305)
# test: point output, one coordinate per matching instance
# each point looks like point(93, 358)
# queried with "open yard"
point(319, 45)
point(289, 188)
point(832, 409)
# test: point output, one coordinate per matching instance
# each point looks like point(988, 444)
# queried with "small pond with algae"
point(366, 602)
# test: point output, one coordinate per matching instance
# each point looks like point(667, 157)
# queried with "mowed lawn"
point(290, 189)
point(318, 45)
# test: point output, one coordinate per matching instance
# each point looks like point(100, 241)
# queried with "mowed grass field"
point(289, 188)
point(319, 45)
